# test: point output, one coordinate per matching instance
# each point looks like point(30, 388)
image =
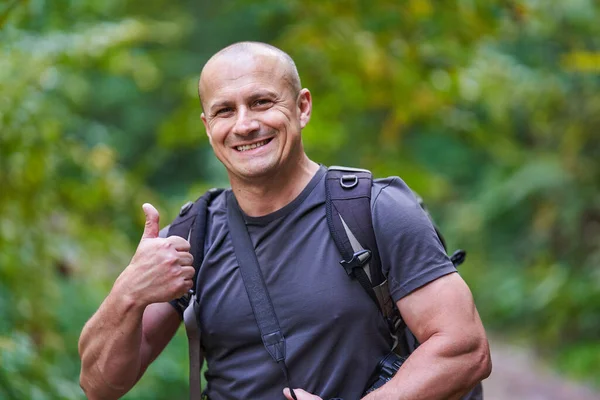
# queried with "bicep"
point(444, 306)
point(160, 322)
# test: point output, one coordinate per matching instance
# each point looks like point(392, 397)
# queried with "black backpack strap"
point(348, 206)
point(348, 209)
point(262, 307)
point(190, 224)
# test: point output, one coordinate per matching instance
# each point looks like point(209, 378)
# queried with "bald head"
point(243, 52)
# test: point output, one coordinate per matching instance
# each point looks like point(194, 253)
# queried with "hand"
point(161, 268)
point(300, 394)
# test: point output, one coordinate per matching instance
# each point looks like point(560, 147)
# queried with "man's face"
point(252, 115)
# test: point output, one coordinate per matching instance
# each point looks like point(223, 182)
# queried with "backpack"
point(348, 212)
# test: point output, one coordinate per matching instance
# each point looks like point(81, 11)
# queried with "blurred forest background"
point(489, 109)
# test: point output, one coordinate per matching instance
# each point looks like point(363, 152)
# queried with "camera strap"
point(260, 301)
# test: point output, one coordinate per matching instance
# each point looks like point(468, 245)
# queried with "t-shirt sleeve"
point(410, 250)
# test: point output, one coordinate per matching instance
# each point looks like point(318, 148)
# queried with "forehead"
point(240, 74)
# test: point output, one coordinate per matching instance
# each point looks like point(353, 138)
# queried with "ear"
point(203, 118)
point(305, 106)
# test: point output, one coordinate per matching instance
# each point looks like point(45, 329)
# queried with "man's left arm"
point(433, 300)
point(454, 354)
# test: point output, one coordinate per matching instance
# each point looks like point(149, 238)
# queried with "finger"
point(300, 394)
point(185, 288)
point(151, 228)
point(288, 394)
point(188, 272)
point(180, 243)
point(185, 258)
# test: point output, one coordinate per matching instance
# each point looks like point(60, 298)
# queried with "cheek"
point(280, 120)
point(218, 132)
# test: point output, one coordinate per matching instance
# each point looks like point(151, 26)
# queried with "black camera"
point(386, 369)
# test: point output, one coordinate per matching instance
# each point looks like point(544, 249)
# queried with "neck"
point(269, 194)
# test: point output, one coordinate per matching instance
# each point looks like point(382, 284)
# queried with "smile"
point(247, 147)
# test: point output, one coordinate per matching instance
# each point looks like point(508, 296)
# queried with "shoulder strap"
point(348, 209)
point(349, 216)
point(190, 224)
point(261, 303)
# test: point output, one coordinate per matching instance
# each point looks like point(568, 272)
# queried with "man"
point(254, 112)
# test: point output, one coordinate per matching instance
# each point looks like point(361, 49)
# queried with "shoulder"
point(412, 254)
point(387, 194)
point(393, 192)
point(218, 203)
point(397, 210)
point(212, 202)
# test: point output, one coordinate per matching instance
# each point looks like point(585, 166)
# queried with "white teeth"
point(251, 146)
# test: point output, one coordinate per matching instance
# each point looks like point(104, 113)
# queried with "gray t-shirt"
point(334, 333)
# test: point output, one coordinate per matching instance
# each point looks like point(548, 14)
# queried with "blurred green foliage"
point(489, 109)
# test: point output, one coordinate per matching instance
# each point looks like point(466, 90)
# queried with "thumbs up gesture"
point(161, 268)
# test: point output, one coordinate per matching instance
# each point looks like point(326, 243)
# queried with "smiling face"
point(253, 112)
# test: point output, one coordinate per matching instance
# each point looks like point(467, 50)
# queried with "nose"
point(245, 122)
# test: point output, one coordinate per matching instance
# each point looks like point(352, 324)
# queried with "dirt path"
point(517, 374)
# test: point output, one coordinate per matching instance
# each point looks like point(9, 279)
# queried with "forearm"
point(441, 368)
point(110, 348)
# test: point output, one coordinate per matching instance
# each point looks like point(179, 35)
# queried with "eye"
point(223, 110)
point(262, 102)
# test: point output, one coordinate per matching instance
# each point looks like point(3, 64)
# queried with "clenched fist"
point(161, 268)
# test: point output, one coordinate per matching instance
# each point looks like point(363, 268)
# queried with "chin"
point(257, 171)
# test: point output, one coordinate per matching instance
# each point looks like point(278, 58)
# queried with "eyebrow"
point(262, 93)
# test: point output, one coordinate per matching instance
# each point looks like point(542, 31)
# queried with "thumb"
point(151, 227)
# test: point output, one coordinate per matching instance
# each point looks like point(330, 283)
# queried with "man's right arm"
point(119, 342)
point(135, 322)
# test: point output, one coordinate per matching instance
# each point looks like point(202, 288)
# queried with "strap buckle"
point(348, 181)
point(458, 257)
point(185, 208)
point(359, 259)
